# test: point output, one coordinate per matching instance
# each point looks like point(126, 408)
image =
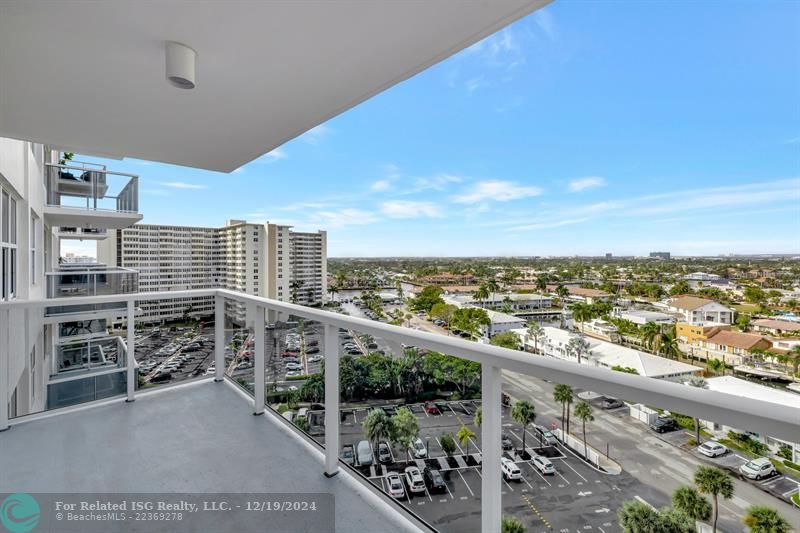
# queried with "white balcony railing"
point(92, 187)
point(766, 418)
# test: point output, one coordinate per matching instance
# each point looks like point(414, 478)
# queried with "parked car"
point(664, 424)
point(757, 468)
point(348, 455)
point(293, 373)
point(414, 479)
point(312, 350)
point(420, 452)
point(434, 480)
point(243, 366)
point(612, 403)
point(548, 437)
point(432, 409)
point(289, 366)
point(384, 453)
point(510, 470)
point(711, 448)
point(395, 484)
point(543, 465)
point(364, 453)
point(505, 399)
point(315, 358)
point(505, 442)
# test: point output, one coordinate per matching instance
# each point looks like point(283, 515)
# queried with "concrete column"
point(5, 348)
point(258, 370)
point(131, 351)
point(491, 497)
point(219, 337)
point(331, 400)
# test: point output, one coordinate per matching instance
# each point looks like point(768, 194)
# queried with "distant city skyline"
point(582, 129)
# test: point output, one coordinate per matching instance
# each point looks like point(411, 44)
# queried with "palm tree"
point(464, 435)
point(582, 313)
point(716, 482)
point(525, 413)
point(578, 346)
point(584, 413)
point(744, 323)
point(691, 503)
point(795, 356)
point(650, 332)
point(378, 426)
point(792, 305)
point(478, 418)
point(716, 365)
point(562, 293)
point(482, 294)
point(638, 517)
point(563, 394)
point(668, 346)
point(493, 287)
point(700, 383)
point(511, 524)
point(540, 284)
point(761, 519)
point(535, 331)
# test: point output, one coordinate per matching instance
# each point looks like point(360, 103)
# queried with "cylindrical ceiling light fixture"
point(181, 62)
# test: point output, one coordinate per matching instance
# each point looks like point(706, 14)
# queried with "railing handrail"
point(775, 420)
point(79, 271)
point(102, 170)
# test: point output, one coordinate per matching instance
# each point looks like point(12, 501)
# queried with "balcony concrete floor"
point(197, 438)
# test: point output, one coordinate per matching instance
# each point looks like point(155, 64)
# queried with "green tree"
point(524, 413)
point(650, 332)
point(714, 482)
point(583, 411)
point(470, 320)
point(405, 429)
point(378, 426)
point(638, 517)
point(313, 390)
point(563, 394)
point(717, 365)
point(482, 294)
point(578, 347)
point(461, 373)
point(478, 418)
point(582, 313)
point(681, 287)
point(427, 298)
point(762, 519)
point(692, 503)
point(536, 332)
point(668, 346)
point(755, 295)
point(302, 423)
point(744, 323)
point(444, 312)
point(511, 524)
point(699, 383)
point(540, 284)
point(464, 436)
point(506, 339)
point(448, 444)
point(562, 292)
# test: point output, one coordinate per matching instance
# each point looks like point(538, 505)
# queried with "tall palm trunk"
point(714, 512)
point(585, 444)
point(697, 429)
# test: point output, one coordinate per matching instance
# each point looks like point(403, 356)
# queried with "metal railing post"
point(130, 352)
point(331, 400)
point(258, 369)
point(219, 338)
point(491, 497)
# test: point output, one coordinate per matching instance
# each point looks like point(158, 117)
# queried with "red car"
point(431, 408)
point(291, 354)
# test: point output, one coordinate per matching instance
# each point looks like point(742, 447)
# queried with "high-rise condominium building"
point(266, 260)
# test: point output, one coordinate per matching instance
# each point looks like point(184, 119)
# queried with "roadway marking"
point(580, 476)
point(536, 512)
point(643, 501)
point(448, 492)
point(541, 476)
point(465, 483)
point(565, 479)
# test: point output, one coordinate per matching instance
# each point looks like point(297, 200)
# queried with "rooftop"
point(750, 390)
point(784, 325)
point(689, 303)
point(194, 438)
point(736, 339)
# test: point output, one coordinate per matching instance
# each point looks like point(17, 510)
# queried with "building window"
point(8, 244)
point(34, 244)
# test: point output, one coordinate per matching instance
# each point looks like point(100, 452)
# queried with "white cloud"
point(437, 182)
point(380, 185)
point(276, 155)
point(316, 134)
point(183, 185)
point(547, 225)
point(156, 192)
point(591, 182)
point(408, 209)
point(497, 190)
point(474, 84)
point(544, 21)
point(342, 217)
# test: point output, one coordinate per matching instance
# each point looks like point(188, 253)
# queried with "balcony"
point(88, 197)
point(204, 428)
point(90, 279)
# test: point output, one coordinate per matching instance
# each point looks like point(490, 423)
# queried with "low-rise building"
point(604, 354)
point(776, 327)
point(700, 310)
point(600, 329)
point(581, 294)
point(515, 301)
point(731, 347)
point(641, 317)
point(500, 322)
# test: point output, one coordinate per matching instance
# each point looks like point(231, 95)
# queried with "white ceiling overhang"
point(90, 76)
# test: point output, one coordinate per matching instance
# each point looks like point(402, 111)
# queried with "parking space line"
point(562, 477)
point(465, 483)
point(526, 481)
point(570, 467)
point(540, 475)
point(448, 491)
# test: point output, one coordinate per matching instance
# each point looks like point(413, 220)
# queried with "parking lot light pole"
point(332, 419)
point(491, 497)
point(219, 338)
point(130, 352)
point(258, 371)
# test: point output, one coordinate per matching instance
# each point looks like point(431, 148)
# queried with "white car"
point(510, 470)
point(712, 449)
point(757, 468)
point(292, 373)
point(315, 358)
point(414, 479)
point(395, 485)
point(543, 465)
point(420, 452)
point(210, 370)
point(293, 366)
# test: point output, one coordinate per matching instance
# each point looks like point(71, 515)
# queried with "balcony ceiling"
point(90, 76)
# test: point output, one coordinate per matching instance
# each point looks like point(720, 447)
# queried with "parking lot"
point(167, 357)
point(577, 497)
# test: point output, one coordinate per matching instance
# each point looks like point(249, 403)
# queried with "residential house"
point(731, 347)
point(776, 327)
point(700, 310)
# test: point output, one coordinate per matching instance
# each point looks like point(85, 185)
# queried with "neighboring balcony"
point(89, 197)
point(75, 280)
point(84, 234)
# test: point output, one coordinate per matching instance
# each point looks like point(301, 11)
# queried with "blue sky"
point(585, 128)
